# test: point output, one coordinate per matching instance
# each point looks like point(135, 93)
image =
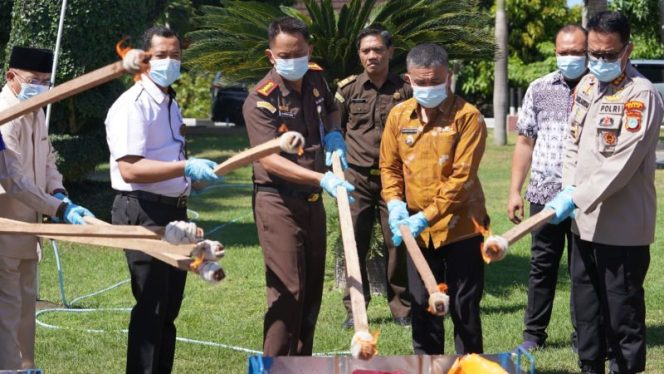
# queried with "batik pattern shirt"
point(543, 118)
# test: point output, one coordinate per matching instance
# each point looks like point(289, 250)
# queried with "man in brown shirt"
point(429, 156)
point(288, 208)
point(364, 101)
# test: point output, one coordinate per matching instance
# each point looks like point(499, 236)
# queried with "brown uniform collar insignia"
point(266, 88)
point(315, 67)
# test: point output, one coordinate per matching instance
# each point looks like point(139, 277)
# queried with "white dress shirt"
point(140, 124)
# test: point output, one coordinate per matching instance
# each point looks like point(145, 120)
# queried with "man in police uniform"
point(152, 176)
point(430, 154)
point(364, 101)
point(288, 208)
point(608, 174)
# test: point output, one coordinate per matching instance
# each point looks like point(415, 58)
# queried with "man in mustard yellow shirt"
point(430, 153)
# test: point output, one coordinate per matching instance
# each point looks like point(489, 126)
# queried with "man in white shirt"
point(152, 176)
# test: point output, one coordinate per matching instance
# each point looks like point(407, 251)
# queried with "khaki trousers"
point(17, 313)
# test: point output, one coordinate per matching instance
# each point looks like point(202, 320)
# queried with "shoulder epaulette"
point(266, 88)
point(314, 66)
point(346, 81)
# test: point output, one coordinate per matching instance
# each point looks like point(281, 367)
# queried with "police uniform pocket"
point(608, 130)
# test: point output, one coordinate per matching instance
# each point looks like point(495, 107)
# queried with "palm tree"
point(500, 90)
point(232, 37)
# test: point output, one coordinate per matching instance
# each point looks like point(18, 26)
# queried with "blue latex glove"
point(63, 197)
point(330, 182)
point(199, 169)
point(416, 224)
point(397, 212)
point(74, 214)
point(563, 205)
point(334, 142)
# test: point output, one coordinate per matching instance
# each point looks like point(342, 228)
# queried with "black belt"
point(366, 170)
point(311, 197)
point(179, 202)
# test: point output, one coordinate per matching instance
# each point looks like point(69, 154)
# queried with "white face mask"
point(292, 69)
point(164, 71)
point(430, 96)
point(30, 90)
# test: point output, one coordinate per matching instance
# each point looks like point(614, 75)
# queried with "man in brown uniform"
point(364, 101)
point(429, 156)
point(288, 209)
point(609, 175)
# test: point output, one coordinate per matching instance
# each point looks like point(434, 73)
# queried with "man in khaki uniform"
point(608, 174)
point(31, 186)
point(429, 157)
point(364, 102)
point(288, 208)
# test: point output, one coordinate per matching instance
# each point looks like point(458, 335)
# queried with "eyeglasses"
point(608, 56)
point(40, 82)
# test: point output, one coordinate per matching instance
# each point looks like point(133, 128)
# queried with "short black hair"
point(162, 31)
point(288, 25)
point(571, 28)
point(427, 55)
point(375, 29)
point(609, 22)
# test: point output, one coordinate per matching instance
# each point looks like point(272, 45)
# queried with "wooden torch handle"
point(63, 91)
point(517, 232)
point(353, 274)
point(418, 259)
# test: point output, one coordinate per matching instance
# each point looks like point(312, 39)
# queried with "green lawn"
point(230, 315)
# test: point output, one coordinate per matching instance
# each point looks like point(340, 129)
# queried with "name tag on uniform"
point(319, 101)
point(610, 108)
point(581, 101)
point(409, 130)
point(358, 100)
point(286, 114)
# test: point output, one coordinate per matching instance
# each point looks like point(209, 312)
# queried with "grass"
point(231, 313)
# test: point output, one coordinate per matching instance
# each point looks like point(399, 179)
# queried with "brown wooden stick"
point(517, 232)
point(287, 142)
point(9, 226)
point(64, 90)
point(419, 261)
point(353, 274)
point(173, 258)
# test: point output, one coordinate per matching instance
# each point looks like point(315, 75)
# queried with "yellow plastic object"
point(475, 364)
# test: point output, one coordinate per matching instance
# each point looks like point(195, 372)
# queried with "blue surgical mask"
point(571, 67)
point(605, 71)
point(164, 71)
point(430, 96)
point(29, 90)
point(292, 69)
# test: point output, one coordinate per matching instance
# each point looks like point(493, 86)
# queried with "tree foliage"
point(645, 26)
point(5, 26)
point(91, 30)
point(232, 38)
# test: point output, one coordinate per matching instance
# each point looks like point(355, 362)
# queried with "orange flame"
point(490, 251)
point(283, 129)
point(442, 288)
point(119, 49)
point(368, 348)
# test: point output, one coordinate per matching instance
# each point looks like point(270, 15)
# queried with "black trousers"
point(368, 207)
point(609, 305)
point(548, 245)
point(459, 265)
point(157, 287)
